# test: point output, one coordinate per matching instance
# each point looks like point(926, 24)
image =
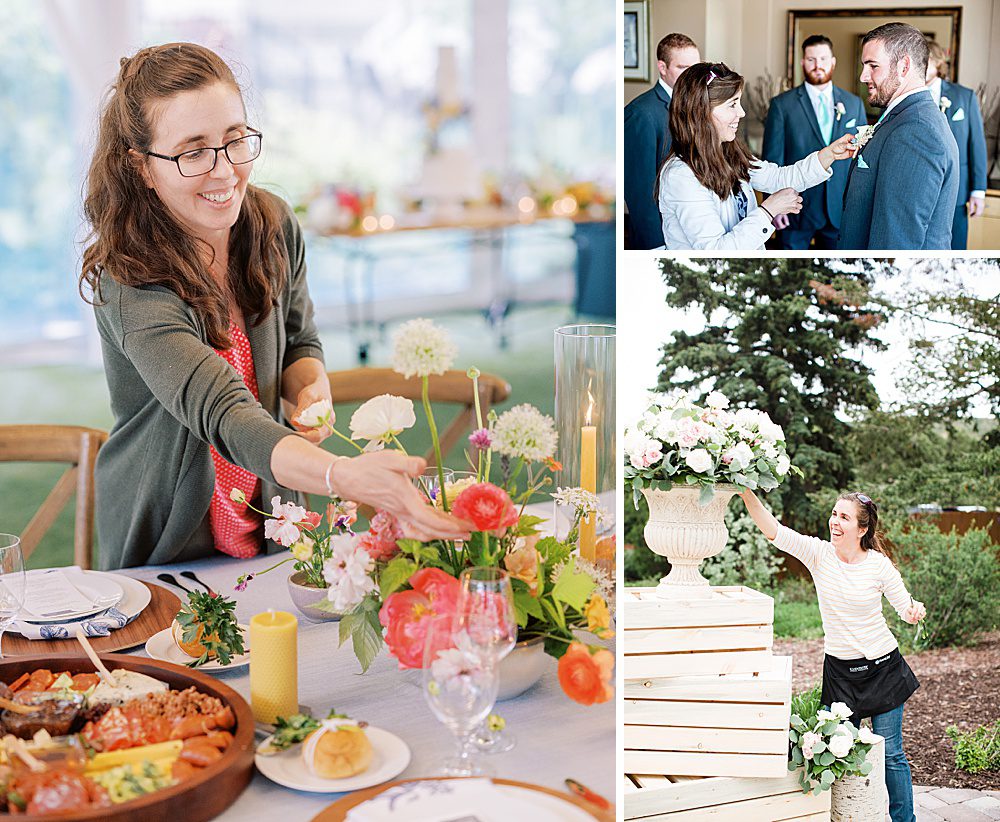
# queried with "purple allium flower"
point(481, 439)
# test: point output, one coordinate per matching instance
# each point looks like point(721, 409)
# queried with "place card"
point(49, 592)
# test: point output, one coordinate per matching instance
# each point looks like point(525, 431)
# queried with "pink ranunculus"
point(380, 541)
point(486, 506)
point(406, 615)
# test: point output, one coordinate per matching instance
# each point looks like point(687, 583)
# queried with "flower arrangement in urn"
point(688, 460)
point(389, 589)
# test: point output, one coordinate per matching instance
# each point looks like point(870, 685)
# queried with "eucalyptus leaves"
point(826, 746)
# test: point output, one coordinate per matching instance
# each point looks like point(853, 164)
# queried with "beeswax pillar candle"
point(274, 665)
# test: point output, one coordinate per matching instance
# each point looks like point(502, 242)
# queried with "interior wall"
point(750, 35)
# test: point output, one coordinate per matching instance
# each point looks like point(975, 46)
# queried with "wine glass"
point(430, 482)
point(485, 615)
point(12, 582)
point(460, 690)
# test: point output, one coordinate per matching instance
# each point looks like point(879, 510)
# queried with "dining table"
point(556, 738)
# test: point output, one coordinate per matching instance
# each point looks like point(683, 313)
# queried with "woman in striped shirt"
point(863, 667)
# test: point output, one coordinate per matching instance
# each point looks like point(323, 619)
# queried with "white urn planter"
point(861, 798)
point(687, 533)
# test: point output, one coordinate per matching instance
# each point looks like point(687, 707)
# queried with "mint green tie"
point(825, 117)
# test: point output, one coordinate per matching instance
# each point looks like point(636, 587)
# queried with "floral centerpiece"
point(389, 588)
point(826, 746)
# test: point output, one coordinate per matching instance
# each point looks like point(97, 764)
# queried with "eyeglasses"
point(200, 161)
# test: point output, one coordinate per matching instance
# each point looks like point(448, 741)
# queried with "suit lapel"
point(839, 120)
point(810, 113)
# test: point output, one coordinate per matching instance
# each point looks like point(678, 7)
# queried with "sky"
point(645, 322)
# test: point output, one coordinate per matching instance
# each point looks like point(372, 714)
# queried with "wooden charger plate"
point(156, 616)
point(197, 799)
point(337, 812)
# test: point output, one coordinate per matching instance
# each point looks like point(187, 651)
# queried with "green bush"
point(956, 576)
point(806, 704)
point(800, 620)
point(977, 750)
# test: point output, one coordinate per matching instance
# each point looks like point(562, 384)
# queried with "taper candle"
point(588, 481)
point(274, 665)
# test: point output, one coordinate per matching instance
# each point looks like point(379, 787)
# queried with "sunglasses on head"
point(864, 499)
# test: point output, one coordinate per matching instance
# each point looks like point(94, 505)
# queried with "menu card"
point(50, 593)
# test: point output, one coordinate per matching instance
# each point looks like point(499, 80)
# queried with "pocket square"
point(958, 115)
point(861, 161)
point(851, 123)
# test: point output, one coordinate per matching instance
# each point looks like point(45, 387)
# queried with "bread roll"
point(337, 750)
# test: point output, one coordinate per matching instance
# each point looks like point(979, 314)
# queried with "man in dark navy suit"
point(804, 120)
point(903, 182)
point(647, 140)
point(960, 108)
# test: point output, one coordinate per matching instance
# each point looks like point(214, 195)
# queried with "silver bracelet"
point(329, 469)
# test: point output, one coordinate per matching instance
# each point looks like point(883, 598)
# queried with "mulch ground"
point(958, 686)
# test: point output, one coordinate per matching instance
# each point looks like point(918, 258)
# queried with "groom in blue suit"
point(903, 182)
point(804, 120)
point(960, 108)
point(647, 140)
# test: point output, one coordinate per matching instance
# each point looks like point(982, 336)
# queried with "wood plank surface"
point(711, 740)
point(779, 808)
point(643, 666)
point(706, 764)
point(706, 714)
point(735, 605)
point(713, 638)
point(772, 685)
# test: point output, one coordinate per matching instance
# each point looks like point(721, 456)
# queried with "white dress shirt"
point(667, 89)
point(695, 217)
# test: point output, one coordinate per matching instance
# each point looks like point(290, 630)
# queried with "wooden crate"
point(726, 725)
point(730, 633)
point(722, 799)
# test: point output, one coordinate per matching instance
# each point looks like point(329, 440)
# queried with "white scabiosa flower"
point(524, 431)
point(421, 348)
point(382, 418)
point(348, 572)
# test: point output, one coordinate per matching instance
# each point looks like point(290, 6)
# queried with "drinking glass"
point(460, 690)
point(12, 582)
point(430, 482)
point(485, 615)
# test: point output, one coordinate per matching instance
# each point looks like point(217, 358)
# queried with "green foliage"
point(363, 627)
point(978, 750)
point(214, 617)
point(800, 620)
point(807, 703)
point(821, 768)
point(956, 576)
point(782, 335)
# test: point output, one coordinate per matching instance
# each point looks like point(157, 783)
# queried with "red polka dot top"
point(236, 529)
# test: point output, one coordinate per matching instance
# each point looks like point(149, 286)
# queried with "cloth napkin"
point(101, 624)
point(450, 800)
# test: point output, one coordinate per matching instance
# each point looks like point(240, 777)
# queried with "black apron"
point(868, 686)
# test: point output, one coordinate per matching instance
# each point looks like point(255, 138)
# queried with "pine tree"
point(782, 335)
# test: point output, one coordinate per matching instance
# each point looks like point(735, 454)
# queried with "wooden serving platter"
point(337, 812)
point(197, 799)
point(156, 616)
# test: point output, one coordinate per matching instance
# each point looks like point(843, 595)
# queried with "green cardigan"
point(172, 395)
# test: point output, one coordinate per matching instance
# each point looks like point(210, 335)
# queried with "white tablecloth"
point(556, 737)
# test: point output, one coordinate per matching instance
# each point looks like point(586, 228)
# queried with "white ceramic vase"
point(687, 533)
point(861, 798)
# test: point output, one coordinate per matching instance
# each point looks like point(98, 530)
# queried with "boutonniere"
point(841, 111)
point(945, 104)
point(862, 137)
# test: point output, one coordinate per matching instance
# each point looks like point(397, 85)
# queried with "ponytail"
point(873, 539)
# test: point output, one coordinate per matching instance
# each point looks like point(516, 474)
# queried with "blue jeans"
point(897, 769)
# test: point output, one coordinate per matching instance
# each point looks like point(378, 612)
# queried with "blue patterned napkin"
point(100, 625)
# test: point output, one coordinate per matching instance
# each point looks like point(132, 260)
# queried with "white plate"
point(161, 646)
point(102, 590)
point(390, 756)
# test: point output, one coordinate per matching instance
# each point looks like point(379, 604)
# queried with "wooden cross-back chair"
point(58, 443)
point(359, 384)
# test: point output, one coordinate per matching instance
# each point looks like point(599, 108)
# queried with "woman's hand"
point(382, 479)
point(312, 393)
point(785, 201)
point(914, 612)
point(839, 149)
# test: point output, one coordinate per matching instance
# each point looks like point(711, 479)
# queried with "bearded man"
point(801, 121)
point(902, 185)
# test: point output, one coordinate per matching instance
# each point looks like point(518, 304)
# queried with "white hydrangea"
point(524, 431)
point(738, 457)
point(348, 572)
point(421, 348)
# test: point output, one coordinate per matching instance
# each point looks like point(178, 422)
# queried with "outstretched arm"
point(765, 519)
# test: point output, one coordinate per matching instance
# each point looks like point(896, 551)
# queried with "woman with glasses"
point(706, 184)
point(862, 667)
point(198, 283)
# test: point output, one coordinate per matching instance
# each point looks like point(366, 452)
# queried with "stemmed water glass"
point(12, 582)
point(430, 482)
point(485, 615)
point(460, 691)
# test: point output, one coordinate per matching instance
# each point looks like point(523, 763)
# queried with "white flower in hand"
point(866, 736)
point(348, 572)
point(421, 348)
point(317, 415)
point(699, 460)
point(840, 744)
point(382, 418)
point(840, 710)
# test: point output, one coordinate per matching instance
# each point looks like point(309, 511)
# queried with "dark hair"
point(901, 39)
point(816, 40)
point(719, 166)
point(135, 239)
point(673, 42)
point(873, 539)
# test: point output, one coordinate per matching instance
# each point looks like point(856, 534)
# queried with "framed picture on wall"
point(636, 52)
